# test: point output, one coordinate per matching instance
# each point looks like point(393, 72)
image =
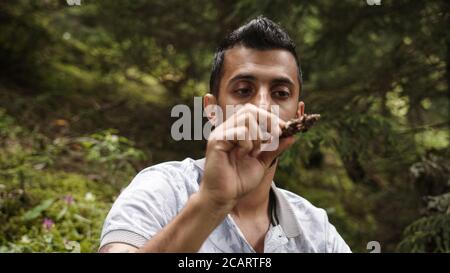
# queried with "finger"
point(242, 141)
point(268, 121)
point(255, 134)
point(266, 157)
point(300, 109)
point(232, 138)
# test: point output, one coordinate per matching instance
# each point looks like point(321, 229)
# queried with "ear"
point(210, 100)
point(300, 109)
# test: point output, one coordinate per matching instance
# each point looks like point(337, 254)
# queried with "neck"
point(256, 202)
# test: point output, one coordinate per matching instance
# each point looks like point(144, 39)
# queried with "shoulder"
point(163, 188)
point(303, 208)
point(315, 225)
point(179, 169)
point(177, 176)
point(149, 202)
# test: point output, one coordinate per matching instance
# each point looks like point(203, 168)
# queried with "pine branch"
point(300, 125)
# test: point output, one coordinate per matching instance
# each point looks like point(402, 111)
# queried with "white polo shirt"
point(158, 193)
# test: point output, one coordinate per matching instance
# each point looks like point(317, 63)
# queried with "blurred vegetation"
point(86, 93)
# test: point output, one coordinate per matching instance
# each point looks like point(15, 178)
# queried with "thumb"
point(266, 157)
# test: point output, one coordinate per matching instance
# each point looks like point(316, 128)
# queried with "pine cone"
point(301, 124)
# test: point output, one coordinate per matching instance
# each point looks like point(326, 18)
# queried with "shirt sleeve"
point(335, 243)
point(142, 209)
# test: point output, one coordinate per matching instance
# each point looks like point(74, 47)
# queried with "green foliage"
point(37, 211)
point(108, 147)
point(44, 209)
point(431, 232)
point(69, 210)
point(77, 221)
point(115, 155)
point(428, 234)
point(379, 78)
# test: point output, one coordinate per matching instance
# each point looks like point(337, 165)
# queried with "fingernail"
point(267, 136)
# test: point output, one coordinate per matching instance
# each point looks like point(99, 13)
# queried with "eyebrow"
point(283, 80)
point(238, 77)
point(250, 77)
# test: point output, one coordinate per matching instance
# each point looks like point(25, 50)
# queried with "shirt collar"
point(284, 209)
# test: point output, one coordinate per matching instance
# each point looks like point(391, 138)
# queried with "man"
point(228, 201)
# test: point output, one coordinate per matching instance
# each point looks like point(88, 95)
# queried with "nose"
point(262, 99)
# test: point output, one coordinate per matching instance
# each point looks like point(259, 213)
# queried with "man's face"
point(262, 78)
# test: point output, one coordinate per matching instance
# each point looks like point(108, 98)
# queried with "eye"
point(281, 94)
point(243, 92)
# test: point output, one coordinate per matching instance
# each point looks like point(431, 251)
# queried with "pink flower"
point(68, 199)
point(48, 223)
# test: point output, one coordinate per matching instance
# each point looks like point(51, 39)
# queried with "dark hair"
point(260, 33)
